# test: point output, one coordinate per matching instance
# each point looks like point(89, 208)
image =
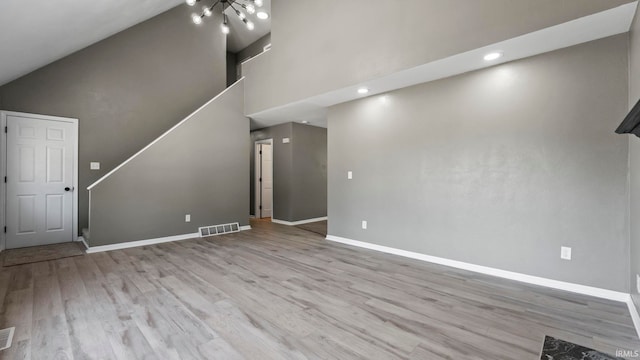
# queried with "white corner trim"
point(162, 136)
point(245, 227)
point(255, 56)
point(634, 315)
point(300, 222)
point(535, 280)
point(81, 239)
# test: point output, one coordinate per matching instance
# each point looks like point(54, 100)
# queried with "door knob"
point(67, 189)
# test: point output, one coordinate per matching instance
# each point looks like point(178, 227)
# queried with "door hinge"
point(5, 229)
point(5, 179)
point(6, 129)
point(260, 180)
point(260, 152)
point(260, 209)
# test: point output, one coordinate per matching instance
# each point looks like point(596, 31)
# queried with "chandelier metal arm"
point(233, 7)
point(214, 4)
point(248, 5)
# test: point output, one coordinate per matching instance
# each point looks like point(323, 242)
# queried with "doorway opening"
point(264, 179)
point(39, 166)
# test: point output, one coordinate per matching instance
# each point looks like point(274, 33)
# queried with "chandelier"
point(237, 6)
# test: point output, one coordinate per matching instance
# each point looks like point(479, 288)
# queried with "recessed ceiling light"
point(305, 122)
point(493, 56)
point(363, 90)
point(262, 15)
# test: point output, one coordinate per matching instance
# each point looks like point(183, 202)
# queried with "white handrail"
point(160, 137)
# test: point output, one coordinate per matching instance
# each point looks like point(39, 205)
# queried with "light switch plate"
point(187, 218)
point(364, 224)
point(349, 175)
point(286, 140)
point(94, 165)
point(565, 253)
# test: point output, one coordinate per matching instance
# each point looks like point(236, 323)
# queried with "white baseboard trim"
point(634, 315)
point(535, 280)
point(83, 241)
point(300, 222)
point(131, 244)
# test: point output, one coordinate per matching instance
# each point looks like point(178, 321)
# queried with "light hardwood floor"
point(278, 292)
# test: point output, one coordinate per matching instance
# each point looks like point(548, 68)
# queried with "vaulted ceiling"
point(38, 32)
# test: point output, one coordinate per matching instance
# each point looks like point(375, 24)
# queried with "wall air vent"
point(219, 229)
point(6, 336)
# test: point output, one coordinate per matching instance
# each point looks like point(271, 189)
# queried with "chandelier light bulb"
point(197, 19)
point(242, 8)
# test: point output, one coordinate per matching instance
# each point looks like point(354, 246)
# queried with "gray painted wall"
point(126, 90)
point(256, 48)
point(200, 168)
point(499, 167)
point(299, 171)
point(309, 181)
point(318, 49)
point(634, 158)
point(232, 68)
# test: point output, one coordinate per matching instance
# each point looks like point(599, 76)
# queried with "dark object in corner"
point(631, 123)
point(556, 349)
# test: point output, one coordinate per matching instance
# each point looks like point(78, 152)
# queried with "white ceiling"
point(597, 26)
point(38, 32)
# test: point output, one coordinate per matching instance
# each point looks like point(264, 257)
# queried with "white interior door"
point(267, 180)
point(40, 177)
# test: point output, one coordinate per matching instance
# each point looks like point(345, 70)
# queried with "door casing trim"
point(3, 170)
point(257, 185)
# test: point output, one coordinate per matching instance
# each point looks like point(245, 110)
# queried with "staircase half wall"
point(200, 168)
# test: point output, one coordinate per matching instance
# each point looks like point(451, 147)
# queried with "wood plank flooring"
point(318, 227)
point(279, 292)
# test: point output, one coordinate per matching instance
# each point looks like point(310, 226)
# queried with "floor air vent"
point(219, 229)
point(6, 336)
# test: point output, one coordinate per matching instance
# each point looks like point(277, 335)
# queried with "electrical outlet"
point(94, 165)
point(187, 218)
point(349, 175)
point(364, 224)
point(565, 253)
